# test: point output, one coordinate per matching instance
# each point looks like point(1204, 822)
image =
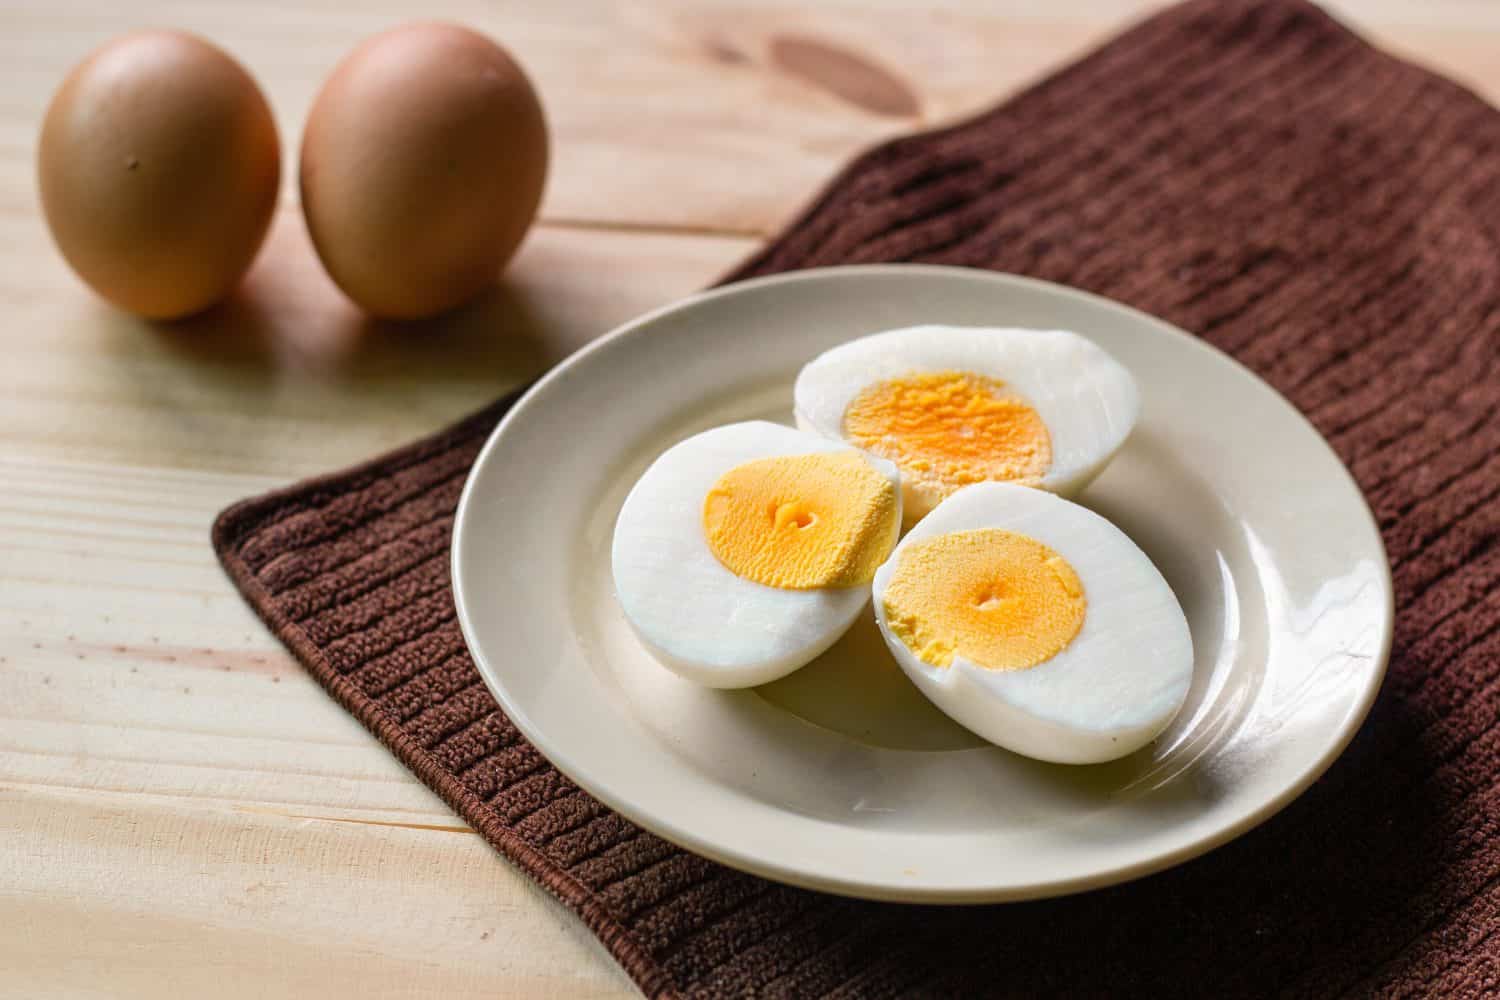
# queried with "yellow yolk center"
point(998, 599)
point(946, 430)
point(802, 522)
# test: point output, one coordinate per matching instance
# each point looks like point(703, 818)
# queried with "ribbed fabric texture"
point(1253, 173)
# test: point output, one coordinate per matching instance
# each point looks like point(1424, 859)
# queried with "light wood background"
point(182, 811)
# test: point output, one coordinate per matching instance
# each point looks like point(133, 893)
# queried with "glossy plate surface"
point(841, 777)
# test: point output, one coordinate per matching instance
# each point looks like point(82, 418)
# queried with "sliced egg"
point(745, 551)
point(953, 406)
point(1037, 624)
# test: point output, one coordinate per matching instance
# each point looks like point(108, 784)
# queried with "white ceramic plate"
point(841, 777)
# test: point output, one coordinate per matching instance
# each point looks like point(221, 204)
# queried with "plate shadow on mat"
point(1369, 853)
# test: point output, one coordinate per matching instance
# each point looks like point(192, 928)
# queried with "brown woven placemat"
point(1249, 171)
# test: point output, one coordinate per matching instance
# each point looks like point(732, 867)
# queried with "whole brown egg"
point(422, 167)
point(159, 167)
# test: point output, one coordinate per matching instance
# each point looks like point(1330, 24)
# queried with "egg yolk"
point(999, 599)
point(947, 430)
point(802, 522)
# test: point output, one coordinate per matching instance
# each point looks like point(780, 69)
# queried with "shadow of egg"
point(857, 690)
point(288, 316)
point(286, 348)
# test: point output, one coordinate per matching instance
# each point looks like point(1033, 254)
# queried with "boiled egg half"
point(1037, 624)
point(953, 406)
point(747, 550)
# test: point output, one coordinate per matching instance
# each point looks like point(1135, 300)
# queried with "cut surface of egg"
point(1037, 624)
point(747, 550)
point(954, 406)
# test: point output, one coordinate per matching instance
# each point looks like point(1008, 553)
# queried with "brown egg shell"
point(422, 168)
point(159, 167)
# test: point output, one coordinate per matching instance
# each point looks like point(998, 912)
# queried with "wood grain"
point(691, 115)
point(288, 378)
point(182, 812)
point(263, 904)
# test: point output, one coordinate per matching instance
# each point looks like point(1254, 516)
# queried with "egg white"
point(696, 616)
point(1113, 689)
point(1087, 399)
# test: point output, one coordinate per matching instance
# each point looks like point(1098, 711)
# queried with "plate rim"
point(1349, 724)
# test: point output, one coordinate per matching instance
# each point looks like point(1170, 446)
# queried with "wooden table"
point(182, 811)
